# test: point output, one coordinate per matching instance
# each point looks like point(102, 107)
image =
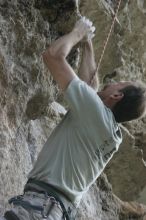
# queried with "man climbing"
point(85, 140)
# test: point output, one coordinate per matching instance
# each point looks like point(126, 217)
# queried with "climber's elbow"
point(52, 54)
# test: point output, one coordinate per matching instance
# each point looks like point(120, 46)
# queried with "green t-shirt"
point(79, 148)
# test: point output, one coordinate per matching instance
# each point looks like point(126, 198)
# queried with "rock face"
point(27, 93)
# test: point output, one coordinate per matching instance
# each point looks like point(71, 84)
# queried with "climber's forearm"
point(88, 66)
point(62, 46)
point(55, 56)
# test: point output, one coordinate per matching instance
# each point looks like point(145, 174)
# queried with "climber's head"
point(127, 100)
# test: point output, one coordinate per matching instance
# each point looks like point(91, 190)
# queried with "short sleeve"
point(83, 101)
point(89, 110)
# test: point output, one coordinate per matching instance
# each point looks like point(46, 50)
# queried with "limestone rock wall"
point(27, 91)
point(124, 59)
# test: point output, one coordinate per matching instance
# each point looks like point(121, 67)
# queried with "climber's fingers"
point(85, 27)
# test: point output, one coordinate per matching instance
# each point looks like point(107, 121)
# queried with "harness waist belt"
point(50, 191)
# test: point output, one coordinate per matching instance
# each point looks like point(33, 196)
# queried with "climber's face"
point(111, 93)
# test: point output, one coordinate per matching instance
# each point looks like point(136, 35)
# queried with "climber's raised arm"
point(88, 66)
point(55, 56)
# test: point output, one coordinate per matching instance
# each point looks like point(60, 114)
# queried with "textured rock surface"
point(27, 92)
point(124, 60)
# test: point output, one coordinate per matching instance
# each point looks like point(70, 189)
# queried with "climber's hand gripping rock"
point(84, 28)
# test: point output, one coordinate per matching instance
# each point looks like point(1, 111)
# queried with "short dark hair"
point(132, 105)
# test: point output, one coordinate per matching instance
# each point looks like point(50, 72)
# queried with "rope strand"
point(106, 41)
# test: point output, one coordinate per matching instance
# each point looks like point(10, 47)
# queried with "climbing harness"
point(50, 191)
point(44, 209)
point(106, 41)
